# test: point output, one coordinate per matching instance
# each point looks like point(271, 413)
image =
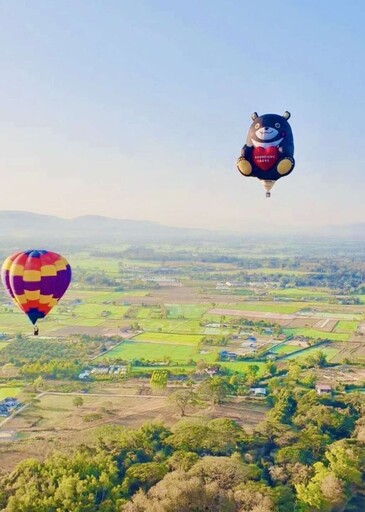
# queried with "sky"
point(137, 109)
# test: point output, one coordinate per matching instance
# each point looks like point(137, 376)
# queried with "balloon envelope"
point(36, 280)
point(269, 150)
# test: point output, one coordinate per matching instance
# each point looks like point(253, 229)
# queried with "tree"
point(182, 398)
point(159, 379)
point(78, 401)
point(252, 371)
point(217, 389)
point(271, 368)
point(38, 384)
point(143, 476)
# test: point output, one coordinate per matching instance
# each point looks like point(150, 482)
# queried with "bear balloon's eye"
point(257, 126)
point(277, 125)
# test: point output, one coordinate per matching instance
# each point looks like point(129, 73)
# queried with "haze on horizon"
point(138, 109)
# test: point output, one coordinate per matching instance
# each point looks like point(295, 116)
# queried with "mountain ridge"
point(23, 224)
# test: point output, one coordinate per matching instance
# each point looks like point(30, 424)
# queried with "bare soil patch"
point(325, 324)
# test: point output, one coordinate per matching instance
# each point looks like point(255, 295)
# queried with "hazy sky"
point(138, 109)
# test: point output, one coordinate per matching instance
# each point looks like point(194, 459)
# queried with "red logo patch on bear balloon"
point(265, 158)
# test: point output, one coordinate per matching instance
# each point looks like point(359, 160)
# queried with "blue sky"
point(138, 109)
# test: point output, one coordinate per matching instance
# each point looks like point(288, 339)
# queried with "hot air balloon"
point(269, 150)
point(36, 280)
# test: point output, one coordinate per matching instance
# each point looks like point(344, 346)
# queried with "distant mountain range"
point(36, 227)
point(33, 228)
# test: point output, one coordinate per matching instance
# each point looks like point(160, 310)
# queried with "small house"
point(323, 389)
point(4, 411)
point(10, 402)
point(212, 370)
point(84, 375)
point(258, 391)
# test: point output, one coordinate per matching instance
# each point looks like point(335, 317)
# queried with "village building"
point(323, 389)
point(8, 405)
point(258, 391)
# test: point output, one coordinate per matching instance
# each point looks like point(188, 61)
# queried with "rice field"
point(346, 326)
point(315, 334)
point(175, 326)
point(130, 350)
point(189, 311)
point(330, 353)
point(300, 292)
point(163, 337)
point(285, 349)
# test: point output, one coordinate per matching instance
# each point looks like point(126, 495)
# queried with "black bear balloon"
point(269, 149)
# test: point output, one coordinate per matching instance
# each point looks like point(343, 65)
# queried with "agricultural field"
point(161, 337)
point(140, 302)
point(316, 334)
point(130, 350)
point(329, 352)
point(10, 391)
point(295, 293)
point(190, 311)
point(346, 326)
point(285, 348)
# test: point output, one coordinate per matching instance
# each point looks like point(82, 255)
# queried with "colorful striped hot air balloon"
point(36, 280)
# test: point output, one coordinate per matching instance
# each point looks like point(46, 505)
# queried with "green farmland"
point(130, 350)
point(330, 353)
point(315, 334)
point(284, 349)
point(190, 311)
point(161, 337)
point(346, 326)
point(9, 392)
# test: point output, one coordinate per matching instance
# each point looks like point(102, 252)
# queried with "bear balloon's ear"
point(254, 116)
point(286, 115)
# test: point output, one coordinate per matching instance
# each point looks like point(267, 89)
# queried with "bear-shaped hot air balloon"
point(36, 280)
point(269, 150)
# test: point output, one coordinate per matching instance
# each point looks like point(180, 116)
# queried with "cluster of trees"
point(21, 350)
point(51, 369)
point(308, 455)
point(159, 378)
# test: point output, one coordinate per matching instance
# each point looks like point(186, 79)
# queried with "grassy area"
point(284, 271)
point(346, 326)
point(97, 310)
point(330, 353)
point(8, 391)
point(315, 334)
point(3, 344)
point(107, 265)
point(242, 367)
point(130, 350)
point(300, 292)
point(265, 307)
point(144, 312)
point(162, 337)
point(189, 311)
point(175, 326)
point(284, 349)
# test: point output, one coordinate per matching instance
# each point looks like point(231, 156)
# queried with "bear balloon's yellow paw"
point(285, 166)
point(244, 166)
